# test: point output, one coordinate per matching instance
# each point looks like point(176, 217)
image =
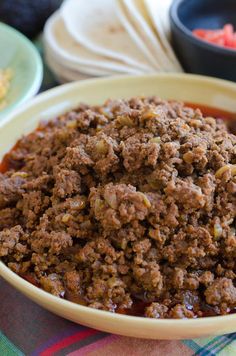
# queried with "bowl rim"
point(173, 14)
point(23, 285)
point(37, 76)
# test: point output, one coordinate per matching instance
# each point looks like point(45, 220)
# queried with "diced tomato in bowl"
point(225, 37)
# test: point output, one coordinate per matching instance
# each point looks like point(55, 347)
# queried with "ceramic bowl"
point(20, 55)
point(195, 55)
point(189, 88)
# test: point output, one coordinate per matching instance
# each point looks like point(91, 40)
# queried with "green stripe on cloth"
point(224, 345)
point(7, 348)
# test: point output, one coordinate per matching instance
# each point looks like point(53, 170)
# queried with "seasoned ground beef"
point(127, 207)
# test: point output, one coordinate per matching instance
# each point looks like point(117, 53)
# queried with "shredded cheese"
point(5, 79)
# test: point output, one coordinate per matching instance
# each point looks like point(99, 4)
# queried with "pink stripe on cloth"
point(68, 341)
point(122, 345)
point(94, 346)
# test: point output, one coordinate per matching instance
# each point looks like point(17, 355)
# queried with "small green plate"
point(19, 54)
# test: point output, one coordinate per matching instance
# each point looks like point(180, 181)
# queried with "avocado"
point(27, 16)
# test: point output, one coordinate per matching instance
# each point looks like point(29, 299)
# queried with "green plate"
point(19, 54)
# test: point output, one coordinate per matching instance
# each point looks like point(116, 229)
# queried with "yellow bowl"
point(189, 88)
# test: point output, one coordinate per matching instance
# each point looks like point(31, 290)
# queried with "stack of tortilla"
point(95, 38)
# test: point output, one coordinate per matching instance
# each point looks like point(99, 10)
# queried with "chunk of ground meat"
point(10, 190)
point(54, 241)
point(116, 205)
point(72, 281)
point(150, 277)
point(67, 183)
point(31, 206)
point(10, 241)
point(103, 150)
point(221, 291)
point(53, 285)
point(156, 311)
point(186, 193)
point(8, 217)
point(180, 312)
point(136, 152)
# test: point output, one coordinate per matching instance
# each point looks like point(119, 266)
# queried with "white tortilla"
point(71, 52)
point(93, 71)
point(95, 25)
point(64, 75)
point(121, 12)
point(158, 11)
point(139, 17)
point(163, 14)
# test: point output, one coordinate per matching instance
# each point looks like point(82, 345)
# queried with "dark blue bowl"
point(195, 55)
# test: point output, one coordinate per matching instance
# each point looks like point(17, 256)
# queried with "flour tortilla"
point(64, 75)
point(95, 25)
point(138, 16)
point(92, 71)
point(163, 14)
point(121, 12)
point(74, 55)
point(158, 11)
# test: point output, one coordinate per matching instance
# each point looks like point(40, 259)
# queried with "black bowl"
point(195, 55)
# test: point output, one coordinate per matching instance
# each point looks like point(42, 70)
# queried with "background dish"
point(195, 55)
point(195, 89)
point(20, 55)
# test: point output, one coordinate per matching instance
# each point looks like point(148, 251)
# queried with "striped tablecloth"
point(27, 329)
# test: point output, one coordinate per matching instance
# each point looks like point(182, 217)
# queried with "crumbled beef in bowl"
point(127, 207)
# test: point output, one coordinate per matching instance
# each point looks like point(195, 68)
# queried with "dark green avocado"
point(27, 16)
